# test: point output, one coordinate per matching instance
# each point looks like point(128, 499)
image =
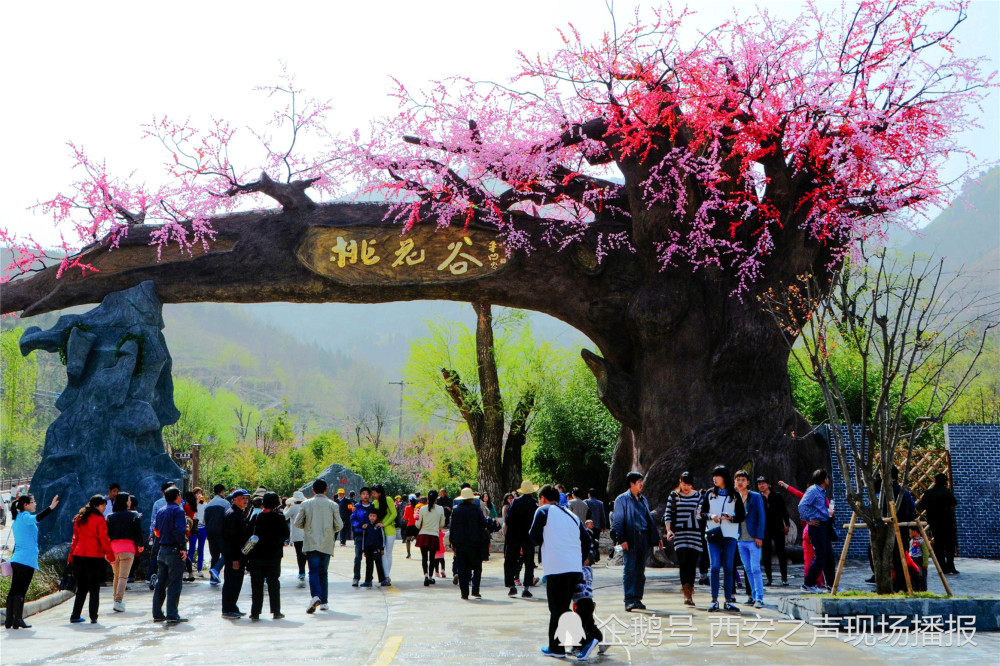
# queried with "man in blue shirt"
point(633, 527)
point(813, 510)
point(171, 525)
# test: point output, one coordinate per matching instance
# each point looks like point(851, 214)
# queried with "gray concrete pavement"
point(412, 624)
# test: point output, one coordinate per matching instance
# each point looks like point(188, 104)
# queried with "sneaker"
point(629, 607)
point(159, 619)
point(324, 607)
point(749, 601)
point(76, 620)
point(535, 581)
point(758, 604)
point(152, 581)
point(587, 650)
point(825, 588)
point(811, 590)
point(313, 605)
point(512, 592)
point(201, 574)
point(732, 608)
point(278, 616)
point(640, 606)
point(367, 583)
point(784, 583)
point(427, 581)
point(214, 575)
point(386, 583)
point(555, 655)
point(526, 594)
point(714, 608)
point(176, 620)
point(355, 582)
point(302, 576)
point(602, 648)
point(234, 616)
point(118, 607)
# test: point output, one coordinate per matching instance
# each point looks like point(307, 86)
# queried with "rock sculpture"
point(118, 398)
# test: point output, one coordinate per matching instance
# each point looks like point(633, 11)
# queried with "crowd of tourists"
point(715, 530)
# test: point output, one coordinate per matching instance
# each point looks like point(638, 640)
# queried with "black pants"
point(559, 589)
point(585, 609)
point(21, 579)
point(262, 571)
point(428, 560)
point(687, 560)
point(595, 534)
point(515, 554)
point(373, 559)
point(300, 558)
point(944, 545)
point(703, 561)
point(231, 586)
point(823, 559)
point(779, 549)
point(215, 549)
point(89, 576)
point(469, 561)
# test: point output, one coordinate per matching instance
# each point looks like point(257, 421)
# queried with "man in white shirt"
point(565, 546)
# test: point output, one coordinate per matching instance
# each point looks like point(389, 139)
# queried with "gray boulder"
point(337, 476)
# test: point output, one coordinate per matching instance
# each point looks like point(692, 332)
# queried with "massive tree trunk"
point(695, 375)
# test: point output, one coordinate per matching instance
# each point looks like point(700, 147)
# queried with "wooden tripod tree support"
point(899, 542)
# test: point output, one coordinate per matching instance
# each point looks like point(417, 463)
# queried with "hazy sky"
point(94, 72)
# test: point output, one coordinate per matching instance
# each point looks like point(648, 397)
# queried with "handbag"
point(6, 568)
point(252, 541)
point(68, 580)
point(715, 535)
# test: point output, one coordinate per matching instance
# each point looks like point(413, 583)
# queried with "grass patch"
point(864, 594)
point(43, 583)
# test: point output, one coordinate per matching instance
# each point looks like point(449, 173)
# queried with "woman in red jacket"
point(88, 551)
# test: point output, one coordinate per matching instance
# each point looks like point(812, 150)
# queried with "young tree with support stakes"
point(917, 337)
point(640, 189)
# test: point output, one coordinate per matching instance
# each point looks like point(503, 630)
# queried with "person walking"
point(518, 547)
point(190, 507)
point(373, 545)
point(751, 540)
point(939, 503)
point(215, 515)
point(292, 507)
point(386, 509)
point(599, 516)
point(584, 606)
point(565, 545)
point(24, 561)
point(723, 508)
point(430, 521)
point(359, 524)
point(234, 536)
point(685, 525)
point(319, 519)
point(813, 510)
point(88, 551)
point(125, 534)
point(202, 535)
point(633, 527)
point(171, 525)
point(468, 534)
point(578, 505)
point(776, 525)
point(272, 532)
point(410, 523)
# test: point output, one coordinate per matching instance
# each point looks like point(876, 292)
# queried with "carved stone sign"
point(362, 255)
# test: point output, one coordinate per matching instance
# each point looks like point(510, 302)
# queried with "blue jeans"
point(750, 554)
point(319, 563)
point(358, 554)
point(196, 546)
point(169, 580)
point(634, 573)
point(721, 555)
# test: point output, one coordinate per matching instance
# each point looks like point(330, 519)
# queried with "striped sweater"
point(682, 516)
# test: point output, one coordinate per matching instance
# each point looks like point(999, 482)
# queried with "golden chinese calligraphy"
point(382, 255)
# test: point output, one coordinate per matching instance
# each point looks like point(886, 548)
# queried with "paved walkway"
point(411, 624)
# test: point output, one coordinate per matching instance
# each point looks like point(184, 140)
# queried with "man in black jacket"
point(271, 530)
point(600, 518)
point(215, 514)
point(518, 547)
point(939, 503)
point(468, 532)
point(776, 526)
point(234, 536)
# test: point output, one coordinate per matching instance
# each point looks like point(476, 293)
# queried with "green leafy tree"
point(20, 437)
point(489, 379)
point(573, 435)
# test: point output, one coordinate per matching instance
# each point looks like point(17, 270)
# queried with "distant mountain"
point(967, 233)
